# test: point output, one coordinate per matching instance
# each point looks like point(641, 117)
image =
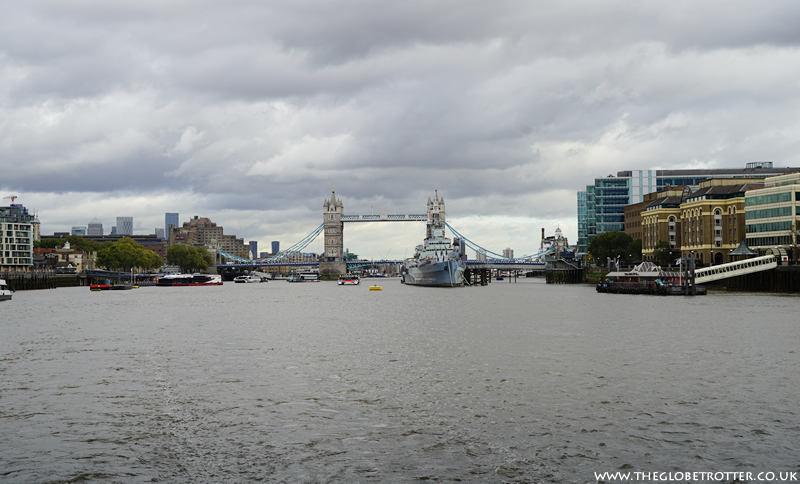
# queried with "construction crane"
point(12, 197)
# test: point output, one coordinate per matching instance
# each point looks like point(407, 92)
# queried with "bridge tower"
point(332, 264)
point(436, 212)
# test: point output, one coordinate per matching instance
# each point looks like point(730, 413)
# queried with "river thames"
point(314, 383)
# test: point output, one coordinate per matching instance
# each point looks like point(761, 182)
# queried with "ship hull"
point(440, 274)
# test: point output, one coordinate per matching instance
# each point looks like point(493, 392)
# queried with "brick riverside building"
point(709, 222)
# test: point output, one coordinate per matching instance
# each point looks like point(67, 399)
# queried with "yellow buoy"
point(375, 288)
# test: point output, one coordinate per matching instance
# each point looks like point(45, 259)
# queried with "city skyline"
point(250, 114)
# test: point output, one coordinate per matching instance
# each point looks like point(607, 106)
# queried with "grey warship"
point(437, 262)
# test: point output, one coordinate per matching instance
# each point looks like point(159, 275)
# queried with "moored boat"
point(647, 278)
point(107, 286)
point(5, 293)
point(437, 262)
point(303, 277)
point(190, 280)
point(250, 278)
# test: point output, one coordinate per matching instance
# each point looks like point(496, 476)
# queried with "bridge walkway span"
point(506, 265)
point(733, 269)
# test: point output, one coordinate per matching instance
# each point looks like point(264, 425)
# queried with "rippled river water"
point(282, 382)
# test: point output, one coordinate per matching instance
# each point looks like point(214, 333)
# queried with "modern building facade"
point(125, 225)
point(276, 246)
point(95, 227)
point(773, 213)
point(170, 218)
point(253, 249)
point(78, 230)
point(601, 206)
point(16, 238)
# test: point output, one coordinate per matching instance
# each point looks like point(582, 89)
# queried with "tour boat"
point(248, 279)
point(303, 277)
point(190, 280)
point(348, 280)
point(107, 286)
point(5, 294)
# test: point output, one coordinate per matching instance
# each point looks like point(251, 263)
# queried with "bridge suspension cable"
point(298, 247)
point(477, 248)
point(282, 255)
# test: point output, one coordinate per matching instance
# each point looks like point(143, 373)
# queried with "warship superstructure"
point(438, 261)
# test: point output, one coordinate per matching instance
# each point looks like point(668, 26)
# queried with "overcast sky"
point(250, 112)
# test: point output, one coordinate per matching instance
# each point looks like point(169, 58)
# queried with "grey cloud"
point(265, 106)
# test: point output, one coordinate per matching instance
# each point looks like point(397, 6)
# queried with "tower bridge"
point(332, 264)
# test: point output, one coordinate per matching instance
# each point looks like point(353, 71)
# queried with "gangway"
point(733, 269)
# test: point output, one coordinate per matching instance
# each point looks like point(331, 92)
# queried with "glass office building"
point(170, 218)
point(253, 248)
point(125, 225)
point(95, 227)
point(772, 214)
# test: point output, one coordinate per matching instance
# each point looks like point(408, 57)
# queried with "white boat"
point(303, 277)
point(348, 280)
point(5, 293)
point(249, 278)
point(190, 280)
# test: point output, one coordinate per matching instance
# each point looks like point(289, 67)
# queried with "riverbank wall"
point(28, 281)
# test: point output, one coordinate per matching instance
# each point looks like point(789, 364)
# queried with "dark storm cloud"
point(508, 108)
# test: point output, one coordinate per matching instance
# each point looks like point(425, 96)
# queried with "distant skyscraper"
point(114, 230)
point(160, 233)
point(254, 248)
point(78, 231)
point(125, 225)
point(170, 218)
point(95, 227)
point(276, 246)
point(508, 252)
